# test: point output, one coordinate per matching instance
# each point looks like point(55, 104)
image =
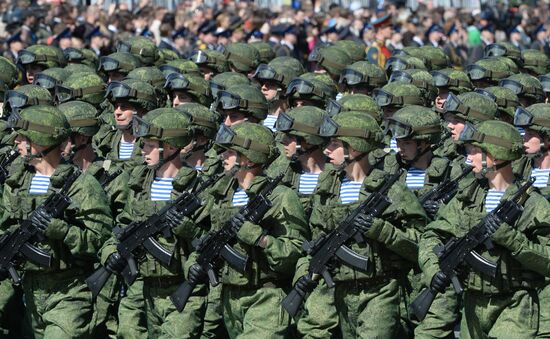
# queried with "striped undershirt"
point(349, 191)
point(269, 122)
point(199, 168)
point(308, 182)
point(240, 198)
point(541, 177)
point(161, 189)
point(39, 184)
point(125, 150)
point(393, 145)
point(521, 130)
point(415, 178)
point(492, 200)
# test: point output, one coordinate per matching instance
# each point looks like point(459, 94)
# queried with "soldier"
point(58, 302)
point(81, 56)
point(355, 102)
point(118, 65)
point(526, 87)
point(535, 62)
point(242, 58)
point(241, 103)
point(37, 58)
point(154, 77)
point(518, 248)
point(447, 81)
point(331, 60)
point(507, 101)
point(362, 77)
point(50, 78)
point(210, 63)
point(187, 88)
point(378, 53)
point(88, 87)
point(421, 79)
point(311, 89)
point(142, 48)
point(224, 80)
point(488, 71)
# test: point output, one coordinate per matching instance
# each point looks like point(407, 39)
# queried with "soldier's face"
point(440, 100)
point(229, 159)
point(475, 156)
point(23, 145)
point(31, 70)
point(532, 141)
point(335, 152)
point(124, 112)
point(232, 117)
point(407, 149)
point(269, 90)
point(150, 152)
point(289, 144)
point(179, 97)
point(455, 124)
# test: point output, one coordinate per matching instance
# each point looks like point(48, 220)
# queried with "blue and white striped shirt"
point(269, 122)
point(240, 198)
point(308, 182)
point(349, 191)
point(125, 150)
point(492, 200)
point(541, 177)
point(199, 168)
point(161, 189)
point(39, 184)
point(521, 130)
point(415, 178)
point(393, 145)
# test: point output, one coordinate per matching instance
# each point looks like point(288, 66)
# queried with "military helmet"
point(416, 123)
point(507, 101)
point(419, 78)
point(43, 125)
point(137, 92)
point(363, 73)
point(401, 62)
point(397, 94)
point(264, 49)
point(454, 80)
point(81, 56)
point(167, 54)
point(333, 59)
point(280, 70)
point(153, 76)
point(166, 125)
point(194, 85)
point(121, 62)
point(51, 77)
point(252, 140)
point(244, 98)
point(310, 87)
point(81, 116)
point(25, 96)
point(471, 106)
point(9, 75)
point(434, 58)
point(355, 102)
point(212, 59)
point(44, 55)
point(242, 57)
point(504, 49)
point(87, 87)
point(490, 69)
point(498, 138)
point(223, 80)
point(535, 117)
point(535, 61)
point(303, 122)
point(79, 68)
point(180, 66)
point(355, 50)
point(143, 48)
point(203, 120)
point(358, 130)
point(524, 85)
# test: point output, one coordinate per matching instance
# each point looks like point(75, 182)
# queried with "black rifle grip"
point(182, 294)
point(97, 280)
point(291, 303)
point(421, 305)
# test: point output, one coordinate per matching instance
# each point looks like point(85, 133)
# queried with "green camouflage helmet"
point(211, 59)
point(242, 57)
point(135, 91)
point(303, 122)
point(504, 49)
point(9, 75)
point(50, 77)
point(471, 106)
point(81, 116)
point(42, 124)
point(453, 80)
point(252, 140)
point(333, 59)
point(153, 76)
point(194, 85)
point(79, 68)
point(280, 70)
point(363, 73)
point(535, 62)
point(121, 62)
point(398, 94)
point(44, 55)
point(88, 87)
point(247, 99)
point(25, 96)
point(524, 85)
point(490, 69)
point(416, 123)
point(402, 62)
point(81, 56)
point(264, 49)
point(535, 117)
point(180, 66)
point(166, 54)
point(419, 78)
point(355, 102)
point(355, 50)
point(223, 80)
point(311, 86)
point(204, 121)
point(358, 130)
point(507, 101)
point(434, 58)
point(498, 138)
point(166, 125)
point(143, 48)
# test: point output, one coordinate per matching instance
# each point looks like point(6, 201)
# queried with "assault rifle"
point(333, 245)
point(140, 235)
point(20, 241)
point(456, 251)
point(5, 161)
point(445, 191)
point(217, 244)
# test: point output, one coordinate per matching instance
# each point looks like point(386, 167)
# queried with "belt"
point(164, 281)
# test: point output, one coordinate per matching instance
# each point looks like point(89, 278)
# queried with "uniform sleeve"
point(117, 192)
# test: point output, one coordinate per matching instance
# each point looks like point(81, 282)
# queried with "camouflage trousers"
point(544, 320)
point(12, 310)
point(319, 318)
point(442, 317)
point(213, 326)
point(132, 320)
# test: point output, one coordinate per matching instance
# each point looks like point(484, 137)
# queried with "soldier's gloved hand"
point(41, 219)
point(196, 274)
point(364, 222)
point(173, 218)
point(115, 263)
point(440, 281)
point(237, 221)
point(431, 207)
point(492, 222)
point(305, 285)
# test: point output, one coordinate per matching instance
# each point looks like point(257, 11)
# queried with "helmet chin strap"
point(347, 159)
point(163, 160)
point(74, 149)
point(419, 153)
point(29, 156)
point(485, 170)
point(240, 167)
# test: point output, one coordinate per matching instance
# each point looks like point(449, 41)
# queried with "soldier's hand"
point(305, 285)
point(196, 274)
point(41, 219)
point(492, 222)
point(440, 281)
point(173, 218)
point(115, 263)
point(364, 222)
point(237, 221)
point(431, 207)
